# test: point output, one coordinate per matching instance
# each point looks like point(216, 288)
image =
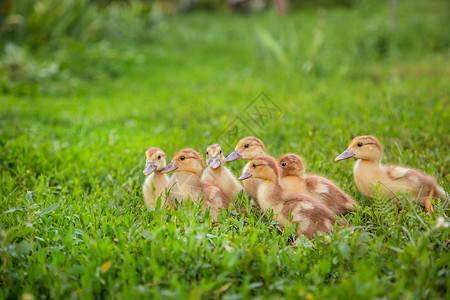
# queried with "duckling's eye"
point(159, 156)
point(284, 164)
point(183, 157)
point(359, 144)
point(220, 151)
point(254, 165)
point(246, 145)
point(207, 153)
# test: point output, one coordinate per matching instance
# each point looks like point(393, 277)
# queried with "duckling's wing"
point(316, 184)
point(396, 172)
point(415, 179)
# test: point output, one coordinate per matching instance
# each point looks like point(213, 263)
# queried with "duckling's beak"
point(344, 155)
point(245, 175)
point(214, 162)
point(149, 168)
point(233, 156)
point(169, 168)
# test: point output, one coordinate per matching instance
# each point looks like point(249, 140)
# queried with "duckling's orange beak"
point(169, 168)
point(214, 162)
point(344, 155)
point(233, 156)
point(149, 168)
point(245, 175)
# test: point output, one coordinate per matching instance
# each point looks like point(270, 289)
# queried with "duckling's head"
point(155, 160)
point(214, 156)
point(263, 167)
point(186, 160)
point(363, 147)
point(291, 165)
point(247, 148)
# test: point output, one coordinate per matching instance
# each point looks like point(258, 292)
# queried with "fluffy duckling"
point(248, 148)
point(155, 185)
point(186, 184)
point(219, 175)
point(294, 180)
point(368, 172)
point(311, 215)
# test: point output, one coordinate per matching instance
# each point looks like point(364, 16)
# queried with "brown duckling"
point(369, 172)
point(311, 215)
point(248, 148)
point(219, 175)
point(185, 183)
point(155, 185)
point(294, 180)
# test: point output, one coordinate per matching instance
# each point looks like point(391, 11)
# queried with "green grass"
point(73, 222)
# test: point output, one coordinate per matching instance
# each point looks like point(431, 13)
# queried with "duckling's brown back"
point(330, 194)
point(315, 216)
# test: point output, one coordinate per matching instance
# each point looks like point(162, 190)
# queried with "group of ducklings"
point(280, 185)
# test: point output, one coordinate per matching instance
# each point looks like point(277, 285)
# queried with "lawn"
point(73, 223)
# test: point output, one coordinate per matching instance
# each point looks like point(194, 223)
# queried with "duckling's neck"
point(292, 183)
point(367, 163)
point(216, 170)
point(159, 179)
point(196, 174)
point(183, 176)
point(367, 172)
point(277, 184)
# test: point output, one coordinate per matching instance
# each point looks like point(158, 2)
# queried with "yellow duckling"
point(155, 185)
point(248, 148)
point(219, 175)
point(369, 172)
point(294, 180)
point(311, 215)
point(186, 184)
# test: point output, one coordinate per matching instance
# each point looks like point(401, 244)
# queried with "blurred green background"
point(49, 46)
point(87, 86)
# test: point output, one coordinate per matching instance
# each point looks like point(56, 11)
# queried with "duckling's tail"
point(439, 193)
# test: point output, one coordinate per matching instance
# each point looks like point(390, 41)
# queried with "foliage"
point(42, 23)
point(72, 142)
point(324, 3)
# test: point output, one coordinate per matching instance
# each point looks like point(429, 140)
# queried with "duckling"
point(294, 180)
point(219, 175)
point(311, 215)
point(155, 185)
point(248, 148)
point(186, 184)
point(368, 172)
